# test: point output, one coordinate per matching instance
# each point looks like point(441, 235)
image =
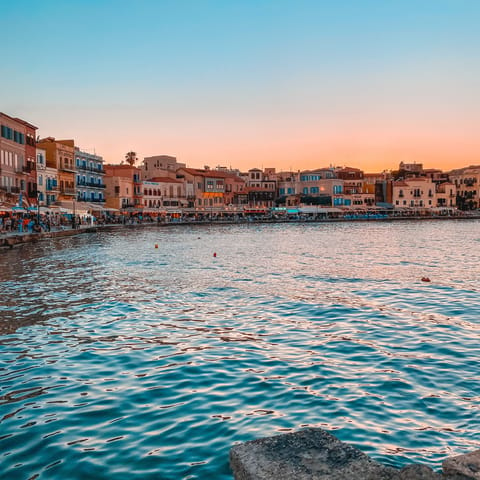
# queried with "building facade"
point(160, 166)
point(60, 155)
point(90, 185)
point(414, 193)
point(467, 184)
point(123, 188)
point(18, 177)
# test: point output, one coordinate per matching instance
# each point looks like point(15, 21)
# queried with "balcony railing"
point(90, 169)
point(10, 189)
point(91, 184)
point(67, 191)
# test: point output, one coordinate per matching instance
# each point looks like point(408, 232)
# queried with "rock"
point(310, 454)
point(418, 472)
point(467, 465)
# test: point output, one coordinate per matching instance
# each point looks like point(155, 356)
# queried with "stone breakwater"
point(314, 454)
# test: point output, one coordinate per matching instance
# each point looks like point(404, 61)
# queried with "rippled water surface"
point(121, 359)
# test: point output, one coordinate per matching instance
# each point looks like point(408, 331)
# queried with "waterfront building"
point(90, 185)
point(446, 195)
point(260, 188)
point(415, 192)
point(163, 195)
point(467, 183)
point(318, 187)
point(60, 156)
point(29, 172)
point(123, 188)
point(236, 195)
point(160, 166)
point(204, 189)
point(352, 179)
point(47, 180)
point(17, 161)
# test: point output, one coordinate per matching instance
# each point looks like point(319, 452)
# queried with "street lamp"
point(38, 207)
point(74, 217)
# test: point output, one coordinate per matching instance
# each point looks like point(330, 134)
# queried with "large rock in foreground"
point(305, 455)
point(467, 465)
point(314, 454)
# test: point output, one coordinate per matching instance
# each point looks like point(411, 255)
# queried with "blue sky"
point(250, 83)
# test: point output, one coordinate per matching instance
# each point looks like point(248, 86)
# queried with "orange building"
point(60, 154)
point(123, 187)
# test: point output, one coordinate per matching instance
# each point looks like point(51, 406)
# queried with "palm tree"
point(131, 158)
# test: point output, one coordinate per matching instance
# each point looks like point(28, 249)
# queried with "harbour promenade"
point(9, 239)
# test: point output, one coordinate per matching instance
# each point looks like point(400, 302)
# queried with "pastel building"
point(160, 166)
point(60, 156)
point(204, 189)
point(47, 180)
point(163, 194)
point(446, 195)
point(415, 192)
point(467, 183)
point(17, 160)
point(90, 185)
point(318, 186)
point(123, 188)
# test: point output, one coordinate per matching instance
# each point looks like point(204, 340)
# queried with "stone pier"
point(314, 454)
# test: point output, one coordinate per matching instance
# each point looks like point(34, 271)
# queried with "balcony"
point(10, 189)
point(82, 168)
point(67, 191)
point(91, 184)
point(68, 168)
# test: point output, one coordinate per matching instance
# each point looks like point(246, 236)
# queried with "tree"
point(131, 158)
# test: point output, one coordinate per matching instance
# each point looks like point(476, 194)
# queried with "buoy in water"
point(425, 279)
point(156, 245)
point(215, 254)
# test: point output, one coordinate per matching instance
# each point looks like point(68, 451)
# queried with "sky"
point(296, 84)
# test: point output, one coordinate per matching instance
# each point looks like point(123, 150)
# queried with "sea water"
point(122, 360)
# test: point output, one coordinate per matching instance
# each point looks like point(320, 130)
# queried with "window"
point(314, 190)
point(40, 180)
point(305, 190)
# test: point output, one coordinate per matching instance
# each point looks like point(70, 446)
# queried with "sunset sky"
point(250, 83)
